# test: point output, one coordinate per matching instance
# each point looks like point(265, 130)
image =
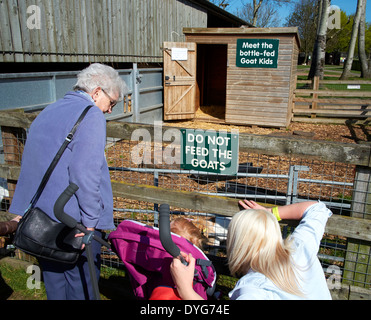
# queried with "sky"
point(348, 6)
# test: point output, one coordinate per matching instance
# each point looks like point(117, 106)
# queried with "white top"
point(306, 241)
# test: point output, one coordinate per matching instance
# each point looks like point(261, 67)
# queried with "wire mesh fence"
point(268, 179)
point(271, 180)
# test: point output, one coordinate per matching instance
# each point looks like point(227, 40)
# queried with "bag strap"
point(57, 157)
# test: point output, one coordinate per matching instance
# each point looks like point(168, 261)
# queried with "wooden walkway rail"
point(320, 104)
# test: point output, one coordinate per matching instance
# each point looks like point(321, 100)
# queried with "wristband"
point(276, 214)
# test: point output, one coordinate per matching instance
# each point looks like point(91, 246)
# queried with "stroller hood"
point(139, 247)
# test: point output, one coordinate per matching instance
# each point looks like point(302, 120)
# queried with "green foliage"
point(13, 284)
point(304, 16)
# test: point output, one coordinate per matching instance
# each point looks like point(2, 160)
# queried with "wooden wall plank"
point(95, 30)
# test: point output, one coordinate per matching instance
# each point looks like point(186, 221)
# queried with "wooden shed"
point(246, 75)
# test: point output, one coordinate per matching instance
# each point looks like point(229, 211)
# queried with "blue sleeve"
point(86, 166)
point(312, 226)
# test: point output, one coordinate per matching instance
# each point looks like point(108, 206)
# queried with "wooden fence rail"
point(355, 228)
point(351, 105)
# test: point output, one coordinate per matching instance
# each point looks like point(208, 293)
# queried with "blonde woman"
point(269, 267)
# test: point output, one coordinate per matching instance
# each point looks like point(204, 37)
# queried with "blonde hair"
point(186, 229)
point(255, 242)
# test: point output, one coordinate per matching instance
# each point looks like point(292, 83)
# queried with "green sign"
point(257, 53)
point(210, 151)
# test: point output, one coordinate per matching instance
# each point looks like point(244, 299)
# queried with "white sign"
point(354, 86)
point(180, 54)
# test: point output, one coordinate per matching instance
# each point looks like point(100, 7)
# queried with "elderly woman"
point(83, 163)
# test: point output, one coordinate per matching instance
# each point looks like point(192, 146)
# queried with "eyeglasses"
point(112, 101)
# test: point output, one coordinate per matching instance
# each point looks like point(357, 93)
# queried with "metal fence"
point(337, 174)
point(269, 179)
point(143, 103)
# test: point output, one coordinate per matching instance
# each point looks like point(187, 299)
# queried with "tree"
point(353, 39)
point(261, 13)
point(304, 16)
point(365, 63)
point(266, 17)
point(319, 51)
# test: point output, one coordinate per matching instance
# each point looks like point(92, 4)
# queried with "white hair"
point(103, 76)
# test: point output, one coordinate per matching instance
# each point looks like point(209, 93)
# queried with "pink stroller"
point(147, 253)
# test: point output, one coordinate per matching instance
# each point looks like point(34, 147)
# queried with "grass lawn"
point(17, 284)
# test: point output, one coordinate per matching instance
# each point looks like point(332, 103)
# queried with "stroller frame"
point(144, 251)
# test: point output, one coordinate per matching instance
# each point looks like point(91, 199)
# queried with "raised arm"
point(293, 211)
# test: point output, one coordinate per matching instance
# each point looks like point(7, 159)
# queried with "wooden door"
point(179, 80)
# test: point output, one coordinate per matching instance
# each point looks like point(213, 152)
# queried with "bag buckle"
point(69, 137)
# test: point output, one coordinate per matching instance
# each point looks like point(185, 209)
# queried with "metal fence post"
point(292, 183)
point(155, 205)
point(136, 81)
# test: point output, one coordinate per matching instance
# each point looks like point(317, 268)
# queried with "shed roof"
point(245, 31)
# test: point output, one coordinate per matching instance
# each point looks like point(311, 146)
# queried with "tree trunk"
point(348, 63)
point(365, 64)
point(319, 51)
point(255, 13)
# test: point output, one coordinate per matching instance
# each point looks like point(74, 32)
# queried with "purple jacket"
point(83, 163)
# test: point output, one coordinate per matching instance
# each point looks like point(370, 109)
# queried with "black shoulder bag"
point(39, 235)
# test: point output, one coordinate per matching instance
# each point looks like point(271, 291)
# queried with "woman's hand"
point(83, 234)
point(17, 218)
point(183, 277)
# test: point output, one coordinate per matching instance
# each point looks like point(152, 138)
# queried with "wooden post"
point(357, 270)
point(315, 86)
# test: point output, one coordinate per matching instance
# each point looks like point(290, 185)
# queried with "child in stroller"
point(148, 263)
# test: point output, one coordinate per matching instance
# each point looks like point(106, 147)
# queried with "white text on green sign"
point(257, 53)
point(210, 151)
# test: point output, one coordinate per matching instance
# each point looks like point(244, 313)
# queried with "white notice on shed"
point(179, 54)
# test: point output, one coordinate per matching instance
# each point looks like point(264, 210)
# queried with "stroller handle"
point(67, 219)
point(165, 235)
point(61, 202)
